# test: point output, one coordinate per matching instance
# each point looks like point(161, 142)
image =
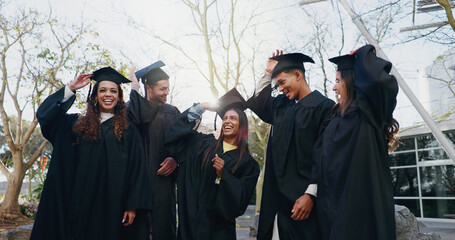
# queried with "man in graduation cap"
point(297, 116)
point(160, 166)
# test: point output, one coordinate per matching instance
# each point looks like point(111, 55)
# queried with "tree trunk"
point(10, 208)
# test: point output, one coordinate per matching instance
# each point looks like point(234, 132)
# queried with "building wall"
point(423, 176)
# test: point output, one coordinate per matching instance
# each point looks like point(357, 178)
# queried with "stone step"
point(20, 233)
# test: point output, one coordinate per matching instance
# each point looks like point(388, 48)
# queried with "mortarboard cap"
point(290, 61)
point(152, 73)
point(232, 99)
point(344, 62)
point(109, 74)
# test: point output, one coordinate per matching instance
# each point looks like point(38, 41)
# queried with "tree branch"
point(446, 5)
point(36, 155)
point(4, 170)
point(30, 131)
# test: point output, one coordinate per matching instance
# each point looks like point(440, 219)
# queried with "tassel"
point(89, 91)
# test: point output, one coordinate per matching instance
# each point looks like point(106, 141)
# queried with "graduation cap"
point(107, 74)
point(344, 62)
point(290, 61)
point(152, 73)
point(232, 99)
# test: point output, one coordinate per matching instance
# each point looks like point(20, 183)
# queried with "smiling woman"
point(353, 166)
point(96, 178)
point(230, 126)
point(217, 177)
point(108, 96)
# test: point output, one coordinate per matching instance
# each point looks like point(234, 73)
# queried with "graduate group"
point(122, 170)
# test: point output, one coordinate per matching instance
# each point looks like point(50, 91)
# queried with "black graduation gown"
point(288, 168)
point(355, 195)
point(207, 210)
point(154, 121)
point(90, 184)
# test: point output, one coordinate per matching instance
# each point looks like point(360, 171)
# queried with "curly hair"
point(88, 125)
point(391, 135)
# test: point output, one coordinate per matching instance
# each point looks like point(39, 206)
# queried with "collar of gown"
point(105, 116)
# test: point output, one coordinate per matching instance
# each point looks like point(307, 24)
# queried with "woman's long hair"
point(391, 135)
point(241, 141)
point(88, 125)
point(348, 78)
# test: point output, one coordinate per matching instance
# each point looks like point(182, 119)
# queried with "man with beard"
point(160, 166)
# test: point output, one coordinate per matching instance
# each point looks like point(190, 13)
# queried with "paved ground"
point(244, 222)
point(445, 230)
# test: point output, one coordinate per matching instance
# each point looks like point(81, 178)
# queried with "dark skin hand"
point(218, 164)
point(272, 63)
point(302, 208)
point(167, 167)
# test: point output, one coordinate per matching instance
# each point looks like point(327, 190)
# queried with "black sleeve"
point(263, 104)
point(374, 84)
point(175, 113)
point(139, 194)
point(235, 190)
point(181, 134)
point(51, 114)
point(140, 110)
point(326, 112)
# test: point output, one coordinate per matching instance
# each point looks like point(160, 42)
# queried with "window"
point(423, 176)
point(404, 181)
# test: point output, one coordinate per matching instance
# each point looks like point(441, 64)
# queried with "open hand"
point(134, 81)
point(208, 106)
point(132, 76)
point(80, 81)
point(272, 63)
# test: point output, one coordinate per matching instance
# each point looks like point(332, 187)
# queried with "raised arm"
point(51, 113)
point(262, 102)
point(183, 131)
point(140, 110)
point(375, 84)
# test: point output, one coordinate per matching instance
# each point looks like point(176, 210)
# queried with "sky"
point(282, 25)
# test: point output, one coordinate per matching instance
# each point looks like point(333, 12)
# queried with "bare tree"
point(35, 50)
point(223, 31)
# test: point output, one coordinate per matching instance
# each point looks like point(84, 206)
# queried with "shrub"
point(29, 209)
